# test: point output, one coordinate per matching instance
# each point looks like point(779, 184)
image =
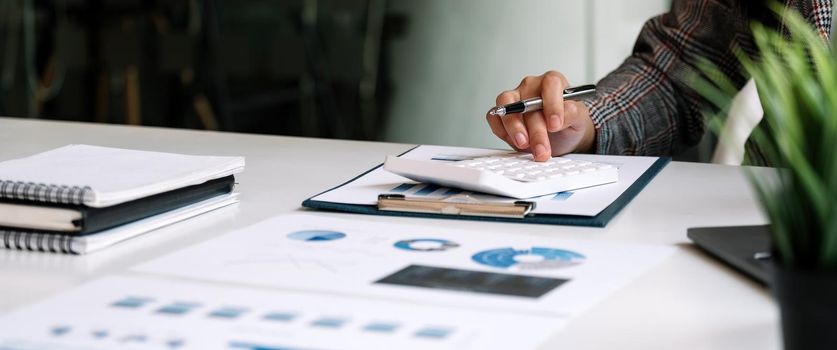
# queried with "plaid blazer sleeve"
point(645, 106)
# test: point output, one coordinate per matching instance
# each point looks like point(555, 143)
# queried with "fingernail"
point(540, 150)
point(554, 122)
point(520, 139)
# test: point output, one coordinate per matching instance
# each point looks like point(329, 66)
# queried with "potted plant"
point(796, 77)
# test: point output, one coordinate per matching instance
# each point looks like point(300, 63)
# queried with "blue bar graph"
point(279, 317)
point(228, 312)
point(175, 343)
point(562, 196)
point(100, 334)
point(403, 188)
point(381, 327)
point(132, 302)
point(452, 191)
point(60, 330)
point(329, 322)
point(434, 333)
point(178, 308)
point(427, 190)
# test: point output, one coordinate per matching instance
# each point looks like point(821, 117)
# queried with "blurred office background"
point(413, 71)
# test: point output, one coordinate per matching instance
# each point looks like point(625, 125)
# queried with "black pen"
point(536, 104)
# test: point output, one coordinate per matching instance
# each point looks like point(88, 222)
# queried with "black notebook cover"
point(98, 219)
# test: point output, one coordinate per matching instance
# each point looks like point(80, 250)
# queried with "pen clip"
point(577, 91)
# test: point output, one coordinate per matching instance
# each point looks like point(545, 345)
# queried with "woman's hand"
point(560, 127)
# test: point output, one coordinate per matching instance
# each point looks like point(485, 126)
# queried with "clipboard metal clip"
point(460, 204)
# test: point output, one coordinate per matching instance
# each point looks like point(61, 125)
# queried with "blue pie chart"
point(426, 245)
point(530, 258)
point(316, 235)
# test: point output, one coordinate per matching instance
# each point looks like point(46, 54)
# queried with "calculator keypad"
point(524, 168)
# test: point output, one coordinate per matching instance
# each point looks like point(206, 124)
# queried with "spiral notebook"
point(70, 244)
point(101, 176)
point(80, 220)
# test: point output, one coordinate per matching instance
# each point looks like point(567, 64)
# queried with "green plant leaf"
point(796, 77)
point(829, 246)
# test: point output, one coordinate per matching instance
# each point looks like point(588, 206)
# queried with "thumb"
point(579, 120)
point(577, 133)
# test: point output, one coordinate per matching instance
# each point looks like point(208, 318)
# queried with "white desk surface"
point(687, 302)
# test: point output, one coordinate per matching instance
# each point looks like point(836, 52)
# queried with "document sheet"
point(130, 312)
point(428, 264)
point(316, 281)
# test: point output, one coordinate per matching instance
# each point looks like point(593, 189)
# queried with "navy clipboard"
point(599, 220)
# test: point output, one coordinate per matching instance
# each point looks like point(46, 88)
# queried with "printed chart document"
point(313, 281)
point(427, 264)
point(584, 202)
point(126, 312)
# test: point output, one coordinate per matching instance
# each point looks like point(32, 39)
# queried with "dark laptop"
point(744, 248)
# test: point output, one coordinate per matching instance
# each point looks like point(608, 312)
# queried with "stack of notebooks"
point(78, 198)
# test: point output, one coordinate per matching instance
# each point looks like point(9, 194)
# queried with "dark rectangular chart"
point(473, 281)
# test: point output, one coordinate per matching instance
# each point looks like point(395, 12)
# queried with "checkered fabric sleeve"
point(821, 14)
point(647, 106)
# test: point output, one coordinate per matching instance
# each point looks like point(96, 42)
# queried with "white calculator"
point(515, 175)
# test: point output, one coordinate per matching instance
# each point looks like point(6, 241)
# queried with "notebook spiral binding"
point(22, 240)
point(40, 192)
